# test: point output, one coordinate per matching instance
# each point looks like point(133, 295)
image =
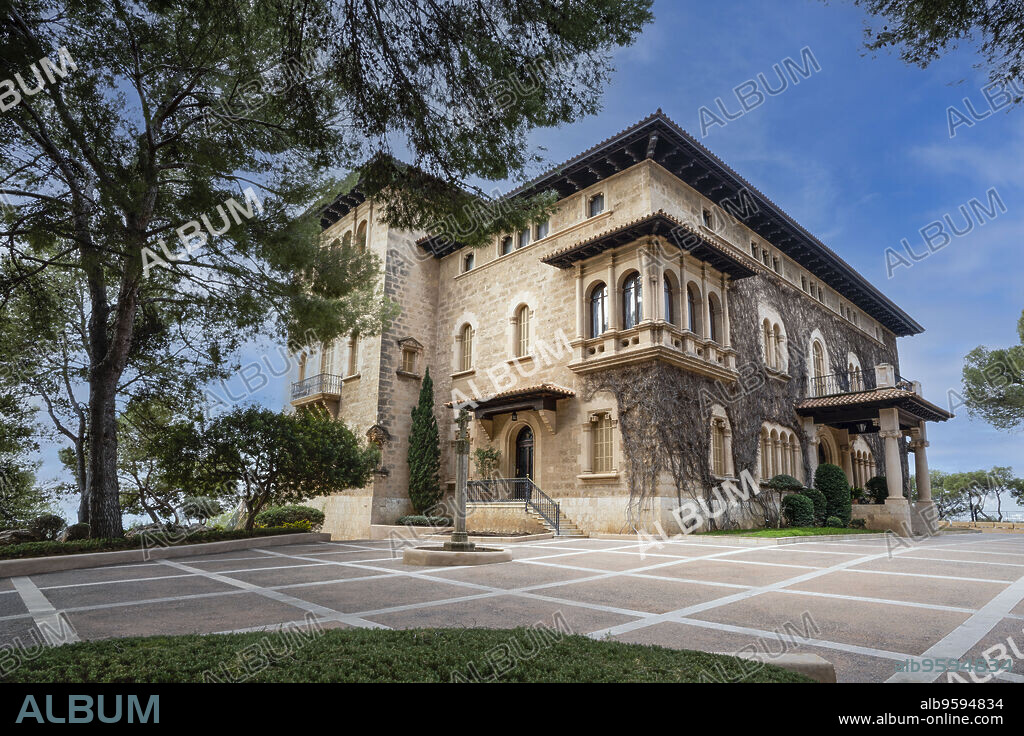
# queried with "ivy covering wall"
point(665, 411)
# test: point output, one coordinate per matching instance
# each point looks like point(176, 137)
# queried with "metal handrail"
point(845, 382)
point(498, 490)
point(324, 383)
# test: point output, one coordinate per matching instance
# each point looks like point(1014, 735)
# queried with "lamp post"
point(460, 540)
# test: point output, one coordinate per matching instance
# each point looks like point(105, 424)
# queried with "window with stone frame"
point(601, 443)
point(595, 205)
point(466, 348)
point(523, 331)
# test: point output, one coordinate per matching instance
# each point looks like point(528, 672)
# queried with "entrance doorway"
point(524, 453)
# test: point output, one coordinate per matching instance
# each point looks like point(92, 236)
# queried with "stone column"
point(891, 434)
point(459, 541)
point(811, 430)
point(581, 307)
point(726, 332)
point(684, 303)
point(924, 481)
point(705, 302)
point(846, 456)
point(613, 305)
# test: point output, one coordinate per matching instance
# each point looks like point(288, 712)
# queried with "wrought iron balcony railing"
point(848, 382)
point(324, 383)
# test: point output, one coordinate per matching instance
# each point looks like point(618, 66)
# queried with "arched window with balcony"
point(632, 301)
point(598, 304)
point(361, 236)
point(523, 331)
point(466, 347)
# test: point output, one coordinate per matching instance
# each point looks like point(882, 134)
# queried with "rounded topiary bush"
point(783, 482)
point(831, 481)
point(820, 505)
point(75, 532)
point(798, 510)
point(47, 526)
point(877, 488)
point(835, 522)
point(290, 515)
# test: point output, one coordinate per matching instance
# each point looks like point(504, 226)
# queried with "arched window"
point(347, 238)
point(466, 348)
point(780, 363)
point(718, 463)
point(303, 358)
point(601, 437)
point(361, 236)
point(670, 294)
point(523, 331)
point(632, 301)
point(818, 366)
point(715, 317)
point(506, 245)
point(693, 317)
point(598, 310)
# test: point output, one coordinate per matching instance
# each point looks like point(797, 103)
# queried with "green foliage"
point(858, 523)
point(831, 481)
point(972, 490)
point(993, 383)
point(260, 457)
point(798, 510)
point(82, 546)
point(924, 31)
point(283, 515)
point(413, 520)
point(47, 526)
point(20, 498)
point(424, 455)
point(783, 482)
point(486, 460)
point(834, 522)
point(877, 488)
point(379, 655)
point(856, 493)
point(170, 110)
point(820, 504)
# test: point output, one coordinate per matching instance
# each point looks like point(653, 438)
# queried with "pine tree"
point(424, 451)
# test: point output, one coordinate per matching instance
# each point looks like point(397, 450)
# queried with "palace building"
point(668, 329)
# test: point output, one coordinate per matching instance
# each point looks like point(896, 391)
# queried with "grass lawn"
point(794, 531)
point(381, 655)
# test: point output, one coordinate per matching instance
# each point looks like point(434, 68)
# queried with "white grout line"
point(316, 609)
point(53, 625)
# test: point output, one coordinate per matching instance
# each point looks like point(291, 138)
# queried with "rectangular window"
point(353, 355)
point(803, 283)
point(777, 265)
point(543, 229)
point(766, 258)
point(753, 249)
point(506, 245)
point(596, 205)
point(467, 262)
point(603, 444)
point(524, 238)
point(706, 218)
point(717, 450)
point(327, 359)
point(409, 360)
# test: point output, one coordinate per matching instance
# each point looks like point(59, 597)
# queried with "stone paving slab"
point(714, 597)
point(874, 625)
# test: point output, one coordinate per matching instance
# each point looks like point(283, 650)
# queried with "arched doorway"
point(524, 453)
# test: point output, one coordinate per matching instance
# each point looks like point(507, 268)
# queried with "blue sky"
point(860, 154)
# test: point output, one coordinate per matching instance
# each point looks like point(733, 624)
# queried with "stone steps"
point(566, 527)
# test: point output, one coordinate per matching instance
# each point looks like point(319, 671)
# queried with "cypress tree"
point(424, 451)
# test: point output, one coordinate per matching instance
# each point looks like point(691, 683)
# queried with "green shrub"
point(419, 520)
point(783, 482)
point(76, 531)
point(856, 494)
point(424, 456)
point(798, 510)
point(284, 516)
point(831, 480)
point(858, 523)
point(818, 499)
point(877, 488)
point(47, 526)
point(835, 522)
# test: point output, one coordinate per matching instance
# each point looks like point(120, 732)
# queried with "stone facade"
point(440, 293)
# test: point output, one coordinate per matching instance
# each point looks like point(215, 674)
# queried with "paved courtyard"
point(859, 604)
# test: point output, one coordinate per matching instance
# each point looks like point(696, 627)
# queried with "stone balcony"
point(323, 389)
point(654, 340)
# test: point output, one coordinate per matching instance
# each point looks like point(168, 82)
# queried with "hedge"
point(84, 546)
point(798, 510)
point(279, 516)
point(818, 499)
point(418, 520)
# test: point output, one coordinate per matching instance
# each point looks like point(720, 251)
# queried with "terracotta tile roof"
point(907, 399)
point(550, 389)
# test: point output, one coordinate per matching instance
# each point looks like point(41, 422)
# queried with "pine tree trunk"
point(104, 503)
